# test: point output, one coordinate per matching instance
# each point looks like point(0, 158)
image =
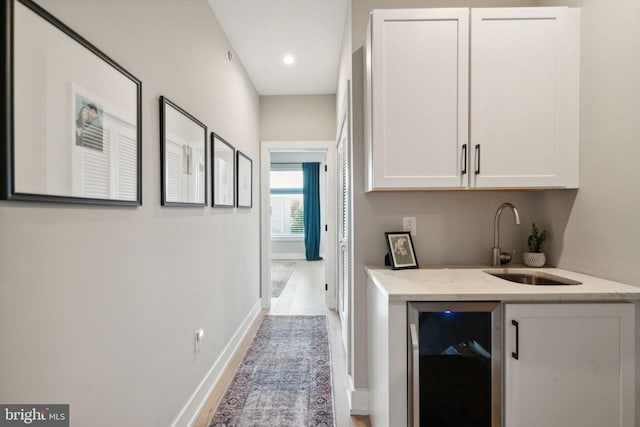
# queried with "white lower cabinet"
point(569, 365)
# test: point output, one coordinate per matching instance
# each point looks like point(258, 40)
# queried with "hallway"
point(302, 295)
point(304, 292)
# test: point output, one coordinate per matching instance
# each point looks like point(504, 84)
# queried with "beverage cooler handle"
point(415, 377)
point(516, 354)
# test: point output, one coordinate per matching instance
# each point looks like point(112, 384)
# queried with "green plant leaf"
point(536, 239)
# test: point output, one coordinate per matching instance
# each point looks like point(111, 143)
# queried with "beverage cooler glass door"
point(454, 364)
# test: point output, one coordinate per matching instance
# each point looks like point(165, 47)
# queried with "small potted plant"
point(535, 257)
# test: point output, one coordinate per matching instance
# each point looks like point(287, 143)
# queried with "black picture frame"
point(401, 251)
point(223, 173)
point(183, 157)
point(244, 180)
point(91, 118)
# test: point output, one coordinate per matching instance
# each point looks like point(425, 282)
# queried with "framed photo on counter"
point(401, 250)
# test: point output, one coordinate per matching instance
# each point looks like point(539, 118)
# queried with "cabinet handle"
point(516, 354)
point(464, 159)
point(477, 159)
point(415, 376)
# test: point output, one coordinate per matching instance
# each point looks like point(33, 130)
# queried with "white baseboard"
point(198, 399)
point(287, 256)
point(292, 256)
point(358, 399)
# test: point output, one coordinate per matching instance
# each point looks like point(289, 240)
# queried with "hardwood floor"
point(303, 294)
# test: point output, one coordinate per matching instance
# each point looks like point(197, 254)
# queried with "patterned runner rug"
point(284, 379)
point(281, 271)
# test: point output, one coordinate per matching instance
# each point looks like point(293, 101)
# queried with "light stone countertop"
point(459, 283)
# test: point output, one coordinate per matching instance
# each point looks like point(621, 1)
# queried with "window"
point(286, 203)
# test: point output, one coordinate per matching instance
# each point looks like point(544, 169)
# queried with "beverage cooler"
point(454, 364)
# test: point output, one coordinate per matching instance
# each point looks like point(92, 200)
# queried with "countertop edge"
point(493, 289)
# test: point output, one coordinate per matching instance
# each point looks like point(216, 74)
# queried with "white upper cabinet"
point(419, 84)
point(524, 97)
point(522, 65)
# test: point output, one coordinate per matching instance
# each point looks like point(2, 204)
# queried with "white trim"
point(358, 399)
point(287, 256)
point(346, 318)
point(330, 207)
point(331, 374)
point(200, 396)
point(287, 238)
point(294, 256)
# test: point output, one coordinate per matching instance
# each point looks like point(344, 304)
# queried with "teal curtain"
point(311, 200)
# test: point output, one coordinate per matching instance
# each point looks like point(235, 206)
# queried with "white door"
point(569, 365)
point(344, 229)
point(524, 97)
point(419, 81)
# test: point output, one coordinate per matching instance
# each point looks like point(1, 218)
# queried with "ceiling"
point(262, 32)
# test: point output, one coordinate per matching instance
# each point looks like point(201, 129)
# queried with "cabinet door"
point(524, 97)
point(419, 84)
point(574, 366)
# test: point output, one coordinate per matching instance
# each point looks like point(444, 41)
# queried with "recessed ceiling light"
point(289, 59)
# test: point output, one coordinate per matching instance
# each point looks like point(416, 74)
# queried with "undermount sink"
point(528, 277)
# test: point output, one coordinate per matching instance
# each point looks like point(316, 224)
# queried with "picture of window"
point(103, 147)
point(76, 108)
point(244, 178)
point(183, 147)
point(222, 172)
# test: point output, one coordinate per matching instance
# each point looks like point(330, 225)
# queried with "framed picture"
point(183, 152)
point(401, 250)
point(222, 172)
point(244, 174)
point(71, 117)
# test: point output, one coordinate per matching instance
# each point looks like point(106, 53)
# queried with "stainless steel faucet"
point(500, 258)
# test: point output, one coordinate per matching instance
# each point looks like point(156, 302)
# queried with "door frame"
point(330, 216)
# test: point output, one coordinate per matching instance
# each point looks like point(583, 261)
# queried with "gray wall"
point(287, 250)
point(602, 235)
point(99, 305)
point(298, 118)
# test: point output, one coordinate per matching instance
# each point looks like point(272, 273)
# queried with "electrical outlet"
point(409, 224)
point(199, 336)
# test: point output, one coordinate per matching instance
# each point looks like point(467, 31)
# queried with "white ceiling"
point(261, 32)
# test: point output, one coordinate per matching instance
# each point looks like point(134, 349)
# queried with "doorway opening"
point(290, 225)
